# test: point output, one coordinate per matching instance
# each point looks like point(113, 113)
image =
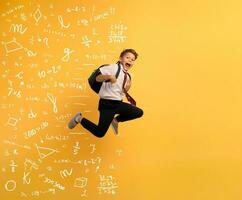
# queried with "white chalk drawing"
point(52, 70)
point(76, 8)
point(55, 32)
point(10, 185)
point(30, 164)
point(31, 114)
point(5, 73)
point(13, 92)
point(97, 168)
point(76, 148)
point(13, 143)
point(21, 110)
point(84, 193)
point(13, 152)
point(37, 15)
point(61, 21)
point(53, 183)
point(12, 121)
point(22, 194)
point(37, 193)
point(64, 85)
point(12, 46)
point(49, 168)
point(13, 166)
point(26, 179)
point(83, 22)
point(52, 99)
point(34, 131)
point(85, 162)
point(30, 53)
point(67, 53)
point(19, 28)
point(107, 185)
point(39, 39)
point(97, 56)
point(85, 41)
point(80, 182)
point(112, 166)
point(117, 33)
point(93, 147)
point(59, 137)
point(65, 173)
point(12, 10)
point(119, 152)
point(45, 151)
point(20, 75)
point(23, 16)
point(77, 133)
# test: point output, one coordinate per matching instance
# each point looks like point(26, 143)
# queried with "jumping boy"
point(111, 97)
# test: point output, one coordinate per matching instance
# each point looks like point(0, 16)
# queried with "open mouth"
point(127, 64)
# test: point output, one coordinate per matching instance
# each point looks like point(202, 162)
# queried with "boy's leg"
point(105, 119)
point(127, 112)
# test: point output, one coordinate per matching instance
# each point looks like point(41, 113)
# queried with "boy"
point(111, 97)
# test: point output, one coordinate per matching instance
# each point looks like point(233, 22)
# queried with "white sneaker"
point(72, 123)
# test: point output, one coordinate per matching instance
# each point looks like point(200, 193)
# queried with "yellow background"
point(187, 79)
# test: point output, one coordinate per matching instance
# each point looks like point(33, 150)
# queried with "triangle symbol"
point(44, 151)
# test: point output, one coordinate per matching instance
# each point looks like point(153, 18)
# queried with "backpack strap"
point(118, 71)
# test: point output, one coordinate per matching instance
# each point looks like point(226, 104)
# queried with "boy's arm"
point(105, 74)
point(101, 77)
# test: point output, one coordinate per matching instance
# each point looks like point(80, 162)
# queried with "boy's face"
point(127, 60)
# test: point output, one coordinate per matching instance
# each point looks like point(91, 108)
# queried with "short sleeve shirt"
point(110, 90)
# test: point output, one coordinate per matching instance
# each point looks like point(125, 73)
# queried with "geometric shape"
point(10, 189)
point(12, 46)
point(37, 15)
point(80, 182)
point(44, 151)
point(12, 121)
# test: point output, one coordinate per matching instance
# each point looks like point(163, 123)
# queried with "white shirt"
point(110, 90)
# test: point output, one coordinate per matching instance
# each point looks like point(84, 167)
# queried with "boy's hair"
point(129, 51)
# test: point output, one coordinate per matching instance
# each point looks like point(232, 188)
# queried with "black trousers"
point(108, 108)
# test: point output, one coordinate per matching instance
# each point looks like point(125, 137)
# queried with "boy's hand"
point(112, 79)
